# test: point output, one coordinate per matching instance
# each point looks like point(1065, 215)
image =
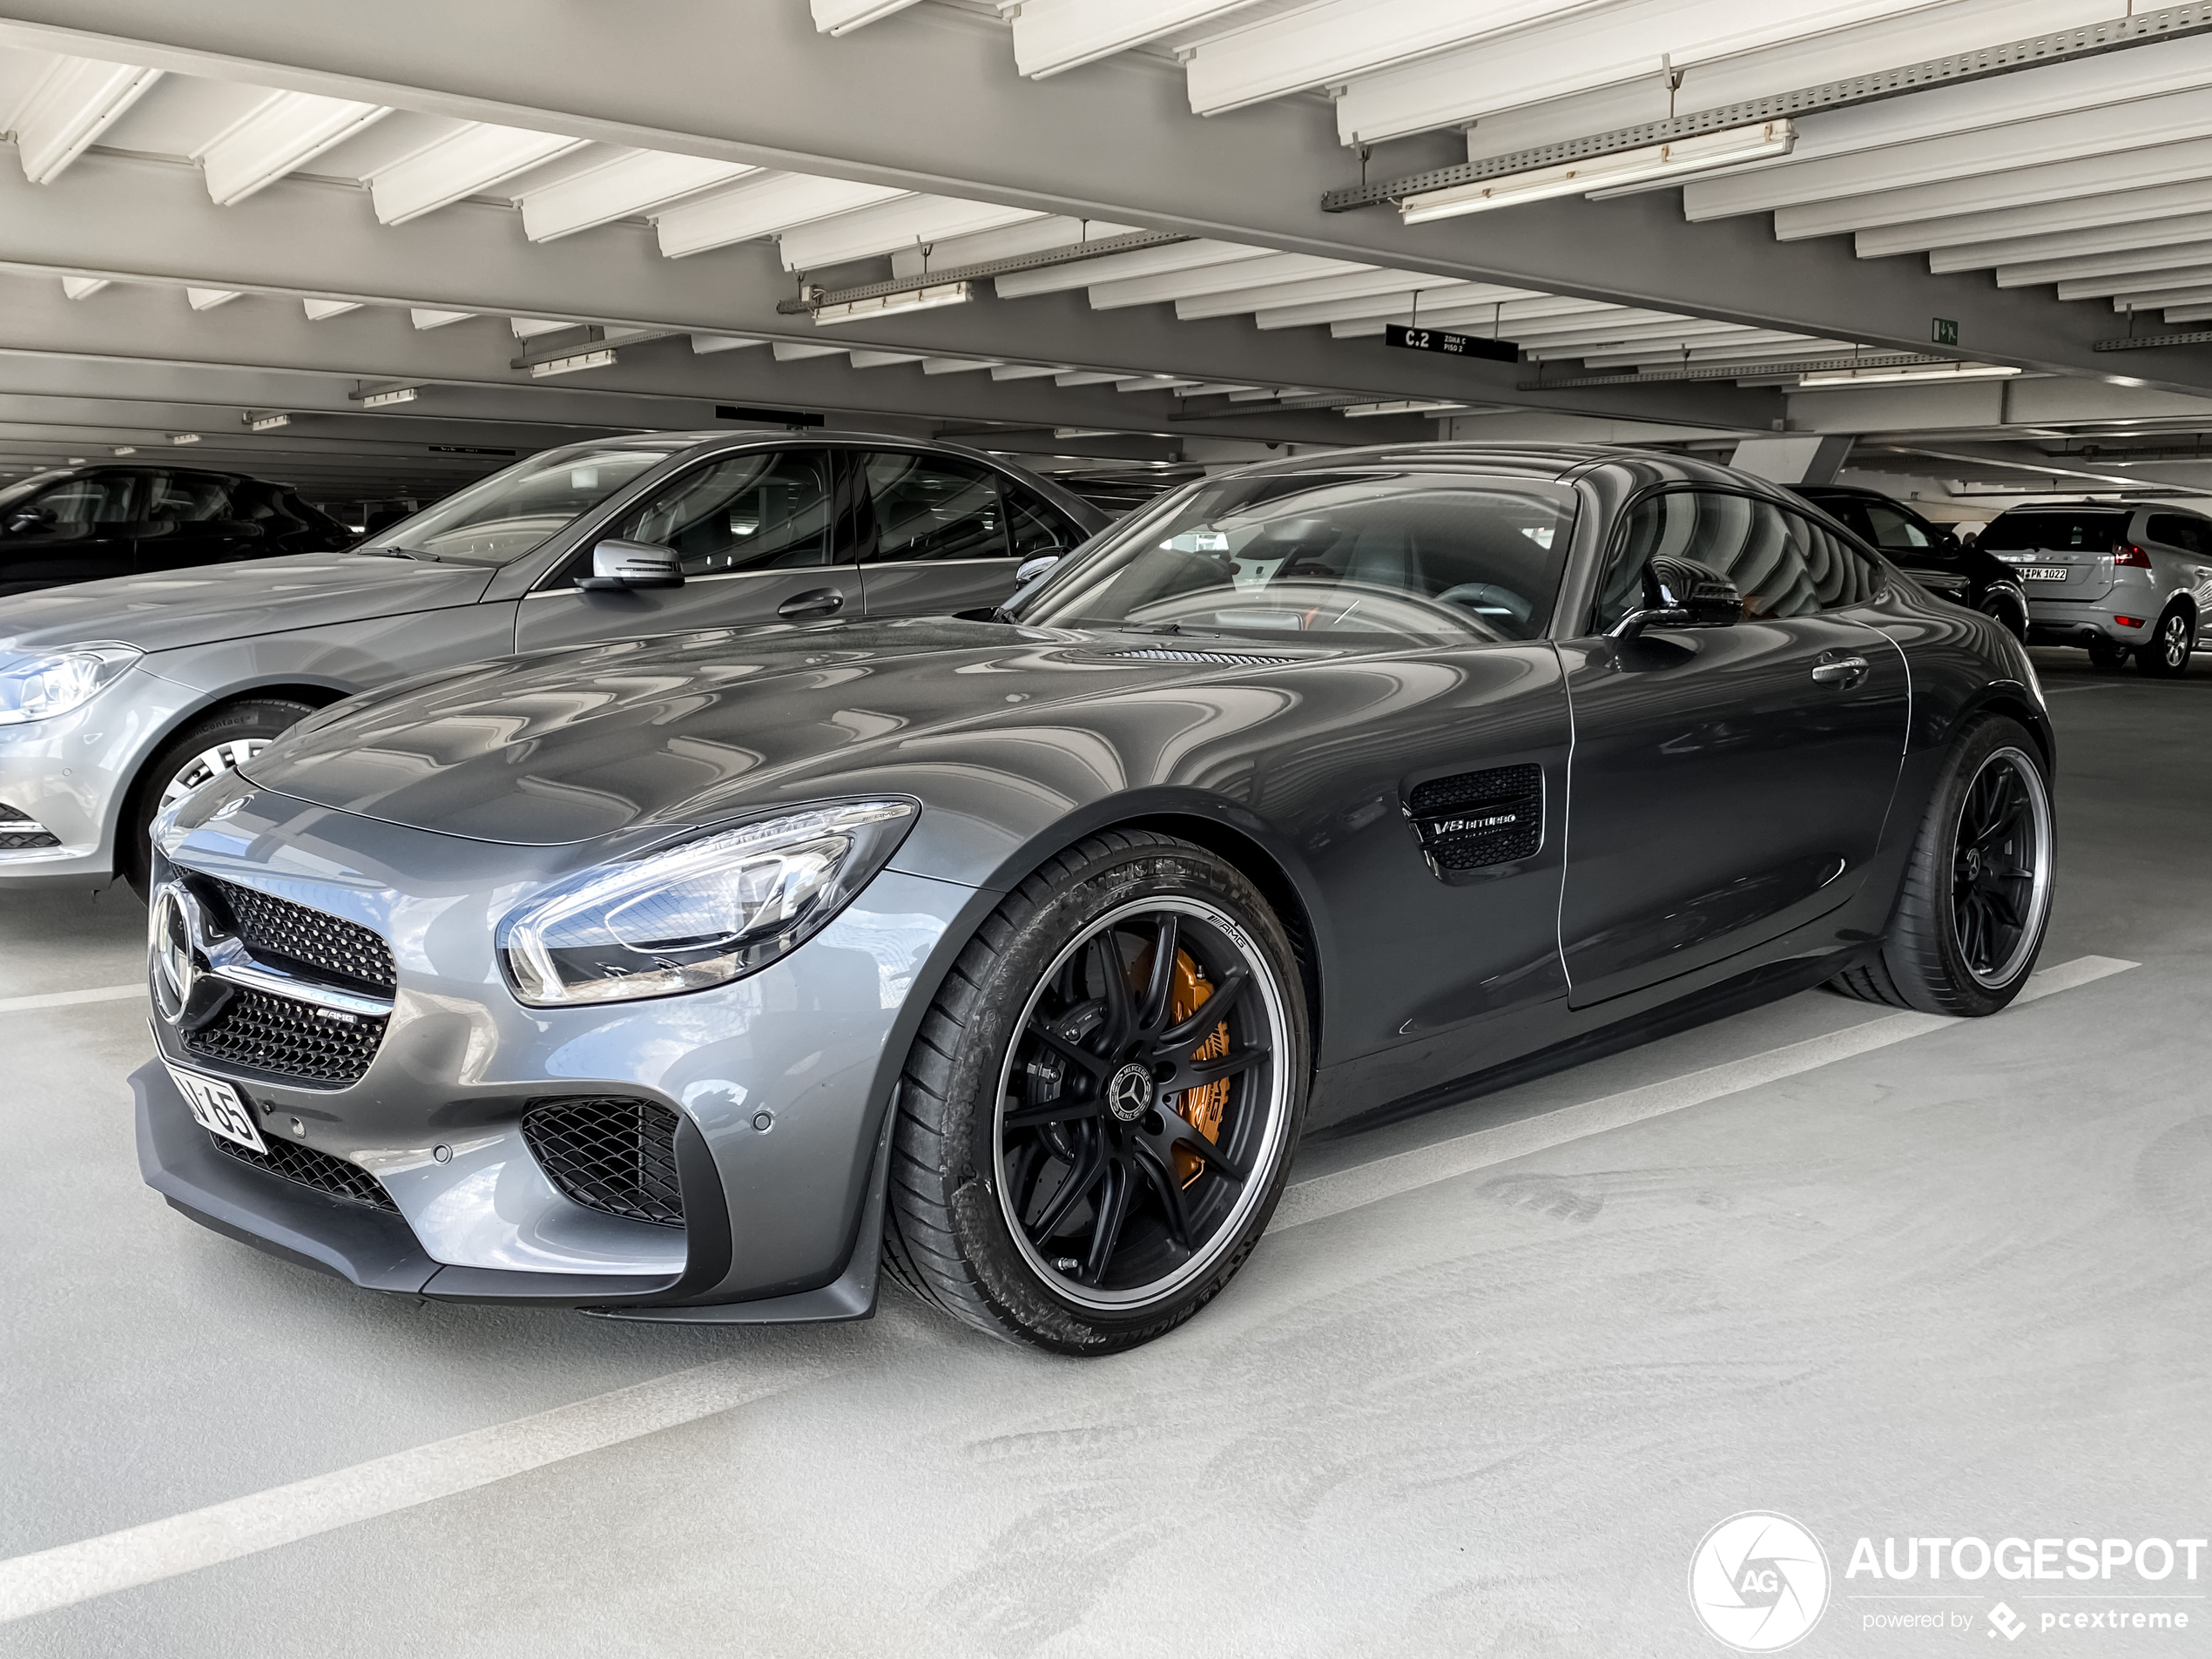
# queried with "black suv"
point(80, 524)
point(1932, 555)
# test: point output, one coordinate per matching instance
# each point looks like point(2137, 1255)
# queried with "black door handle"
point(815, 601)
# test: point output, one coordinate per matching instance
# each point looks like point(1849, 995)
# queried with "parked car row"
point(743, 862)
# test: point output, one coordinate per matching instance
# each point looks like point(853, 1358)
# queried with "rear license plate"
point(2044, 572)
point(217, 1108)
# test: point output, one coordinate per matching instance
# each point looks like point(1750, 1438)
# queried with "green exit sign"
point(1946, 331)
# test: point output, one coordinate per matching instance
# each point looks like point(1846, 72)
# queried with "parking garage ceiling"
point(378, 252)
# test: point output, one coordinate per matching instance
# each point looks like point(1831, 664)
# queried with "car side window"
point(99, 498)
point(761, 509)
point(1892, 531)
point(188, 498)
point(929, 506)
point(2192, 536)
point(1034, 527)
point(1783, 565)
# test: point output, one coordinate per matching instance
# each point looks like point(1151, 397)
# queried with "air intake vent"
point(1475, 819)
point(21, 833)
point(1234, 658)
point(309, 1167)
point(609, 1154)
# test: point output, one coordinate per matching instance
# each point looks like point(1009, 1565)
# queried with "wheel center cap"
point(1129, 1093)
point(1974, 863)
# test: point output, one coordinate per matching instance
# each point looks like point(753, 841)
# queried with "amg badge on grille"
point(1473, 820)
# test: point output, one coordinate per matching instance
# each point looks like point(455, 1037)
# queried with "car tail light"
point(2129, 622)
point(2128, 553)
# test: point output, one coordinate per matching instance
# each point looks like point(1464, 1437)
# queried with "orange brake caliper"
point(1203, 1106)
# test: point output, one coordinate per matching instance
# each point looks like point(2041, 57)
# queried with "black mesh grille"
point(609, 1154)
point(272, 927)
point(282, 1038)
point(14, 814)
point(312, 1169)
point(23, 841)
point(1474, 819)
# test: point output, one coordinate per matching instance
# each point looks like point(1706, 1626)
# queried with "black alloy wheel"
point(2166, 654)
point(1971, 914)
point(1096, 1118)
point(2000, 866)
point(2008, 610)
point(1136, 1102)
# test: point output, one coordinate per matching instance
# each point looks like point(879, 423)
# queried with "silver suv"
point(2119, 580)
point(119, 698)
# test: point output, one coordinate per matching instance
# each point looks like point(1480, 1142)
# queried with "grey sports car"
point(688, 978)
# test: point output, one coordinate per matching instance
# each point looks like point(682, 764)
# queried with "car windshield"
point(2053, 530)
point(505, 515)
point(1384, 558)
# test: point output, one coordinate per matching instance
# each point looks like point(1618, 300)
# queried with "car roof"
point(1556, 461)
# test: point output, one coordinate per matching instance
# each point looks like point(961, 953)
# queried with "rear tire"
point(204, 751)
point(2165, 655)
point(1047, 1187)
point(2008, 613)
point(1976, 898)
point(2109, 655)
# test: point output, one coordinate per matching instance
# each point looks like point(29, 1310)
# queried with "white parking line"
point(63, 999)
point(1366, 1184)
point(143, 1554)
point(222, 1532)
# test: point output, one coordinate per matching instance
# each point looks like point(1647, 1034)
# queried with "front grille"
point(309, 1167)
point(281, 1038)
point(1474, 819)
point(609, 1154)
point(273, 927)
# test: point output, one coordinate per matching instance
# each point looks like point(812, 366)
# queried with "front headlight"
point(701, 914)
point(36, 688)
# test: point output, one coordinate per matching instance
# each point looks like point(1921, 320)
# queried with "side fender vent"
point(1474, 819)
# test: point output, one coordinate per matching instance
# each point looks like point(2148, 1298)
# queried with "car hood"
point(565, 746)
point(198, 607)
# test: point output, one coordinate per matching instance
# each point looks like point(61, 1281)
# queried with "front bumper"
point(781, 1083)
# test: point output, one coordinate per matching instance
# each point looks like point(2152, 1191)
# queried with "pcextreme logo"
point(1758, 1582)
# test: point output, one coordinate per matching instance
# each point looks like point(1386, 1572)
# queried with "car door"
point(755, 532)
point(933, 533)
point(77, 530)
point(189, 519)
point(1727, 784)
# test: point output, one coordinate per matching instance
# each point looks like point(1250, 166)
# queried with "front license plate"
point(217, 1108)
point(2044, 572)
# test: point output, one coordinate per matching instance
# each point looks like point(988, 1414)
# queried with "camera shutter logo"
point(1758, 1582)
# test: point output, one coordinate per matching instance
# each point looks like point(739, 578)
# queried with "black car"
point(81, 524)
point(1930, 554)
point(675, 977)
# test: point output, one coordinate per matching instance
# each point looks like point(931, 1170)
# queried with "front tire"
point(216, 744)
point(1050, 1186)
point(2166, 654)
point(2008, 612)
point(1971, 916)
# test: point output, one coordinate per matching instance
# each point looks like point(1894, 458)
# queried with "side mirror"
point(1029, 570)
point(25, 519)
point(632, 565)
point(1681, 593)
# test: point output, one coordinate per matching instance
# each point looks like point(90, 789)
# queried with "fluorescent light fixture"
point(1404, 406)
point(208, 299)
point(583, 359)
point(1767, 138)
point(75, 101)
point(1086, 432)
point(385, 399)
point(422, 318)
point(267, 423)
point(127, 449)
point(318, 309)
point(524, 328)
point(83, 287)
point(944, 293)
point(468, 159)
point(1895, 376)
point(184, 437)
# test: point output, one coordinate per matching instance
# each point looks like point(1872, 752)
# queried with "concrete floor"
point(1954, 1286)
